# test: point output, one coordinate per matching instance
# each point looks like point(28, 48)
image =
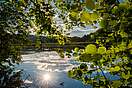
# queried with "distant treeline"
point(44, 39)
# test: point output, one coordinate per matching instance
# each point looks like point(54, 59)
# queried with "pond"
point(48, 70)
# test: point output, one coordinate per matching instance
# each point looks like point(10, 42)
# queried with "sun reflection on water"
point(45, 80)
point(46, 77)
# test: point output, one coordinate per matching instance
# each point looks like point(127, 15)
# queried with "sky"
point(75, 31)
point(79, 32)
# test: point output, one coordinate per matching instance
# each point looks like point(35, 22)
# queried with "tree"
point(12, 20)
point(112, 51)
point(17, 17)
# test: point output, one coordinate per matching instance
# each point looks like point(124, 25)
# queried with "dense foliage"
point(12, 20)
point(111, 51)
point(18, 18)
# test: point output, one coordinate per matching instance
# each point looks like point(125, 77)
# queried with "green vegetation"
point(17, 18)
point(11, 20)
point(112, 51)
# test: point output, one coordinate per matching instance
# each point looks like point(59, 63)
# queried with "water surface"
point(48, 70)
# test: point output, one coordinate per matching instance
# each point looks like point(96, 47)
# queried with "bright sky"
point(80, 33)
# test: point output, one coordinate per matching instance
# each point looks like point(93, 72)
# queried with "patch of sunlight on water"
point(48, 70)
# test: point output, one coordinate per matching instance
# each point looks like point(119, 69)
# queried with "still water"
point(48, 70)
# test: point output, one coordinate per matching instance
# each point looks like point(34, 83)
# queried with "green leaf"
point(126, 76)
point(76, 49)
point(111, 69)
point(74, 14)
point(85, 57)
point(115, 9)
point(117, 68)
point(85, 16)
point(123, 34)
point(102, 23)
point(90, 4)
point(117, 49)
point(91, 49)
point(94, 16)
point(70, 73)
point(122, 46)
point(59, 1)
point(124, 57)
point(114, 69)
point(116, 83)
point(130, 44)
point(101, 50)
